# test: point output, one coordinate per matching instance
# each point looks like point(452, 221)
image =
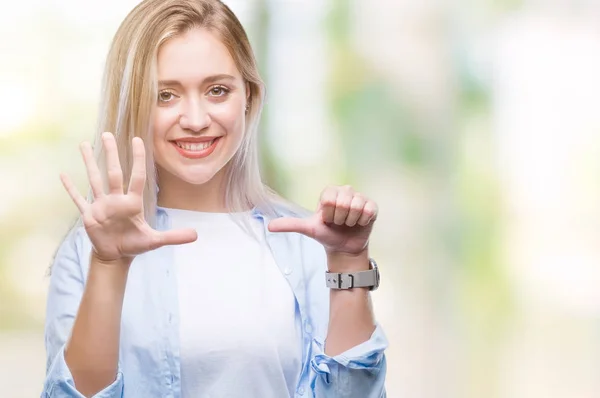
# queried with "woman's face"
point(199, 118)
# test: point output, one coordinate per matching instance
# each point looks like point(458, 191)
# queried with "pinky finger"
point(79, 200)
point(369, 213)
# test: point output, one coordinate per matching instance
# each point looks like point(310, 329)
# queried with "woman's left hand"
point(342, 223)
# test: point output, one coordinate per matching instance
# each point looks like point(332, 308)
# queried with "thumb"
point(292, 224)
point(174, 237)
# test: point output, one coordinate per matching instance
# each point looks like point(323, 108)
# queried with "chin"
point(198, 178)
point(174, 172)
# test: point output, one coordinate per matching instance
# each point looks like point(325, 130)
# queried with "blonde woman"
point(186, 276)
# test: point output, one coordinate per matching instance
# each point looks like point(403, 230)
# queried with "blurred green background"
point(473, 124)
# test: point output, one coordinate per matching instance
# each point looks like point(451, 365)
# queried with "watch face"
point(377, 276)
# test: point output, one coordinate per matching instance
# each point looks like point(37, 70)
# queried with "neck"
point(177, 194)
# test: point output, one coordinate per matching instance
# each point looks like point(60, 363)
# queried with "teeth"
point(195, 146)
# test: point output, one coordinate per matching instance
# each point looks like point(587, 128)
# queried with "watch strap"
point(336, 280)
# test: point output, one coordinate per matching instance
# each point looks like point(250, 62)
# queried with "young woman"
point(186, 276)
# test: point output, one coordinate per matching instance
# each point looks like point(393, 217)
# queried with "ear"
point(248, 93)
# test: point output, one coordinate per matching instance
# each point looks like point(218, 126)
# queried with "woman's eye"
point(218, 91)
point(165, 96)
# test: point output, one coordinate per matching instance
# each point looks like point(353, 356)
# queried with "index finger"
point(327, 204)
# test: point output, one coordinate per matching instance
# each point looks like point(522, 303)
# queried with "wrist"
point(120, 264)
point(348, 262)
point(107, 279)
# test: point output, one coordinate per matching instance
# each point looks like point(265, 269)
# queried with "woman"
point(187, 276)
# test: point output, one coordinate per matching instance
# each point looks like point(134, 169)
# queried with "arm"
point(350, 362)
point(117, 230)
point(67, 287)
point(351, 319)
point(92, 352)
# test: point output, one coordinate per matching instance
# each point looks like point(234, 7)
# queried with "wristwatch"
point(370, 278)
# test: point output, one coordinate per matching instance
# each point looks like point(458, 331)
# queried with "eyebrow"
point(207, 80)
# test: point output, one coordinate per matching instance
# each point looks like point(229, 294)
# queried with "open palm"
point(115, 221)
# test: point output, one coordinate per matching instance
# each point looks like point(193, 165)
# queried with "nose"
point(194, 117)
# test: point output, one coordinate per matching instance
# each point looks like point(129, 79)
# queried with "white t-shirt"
point(238, 329)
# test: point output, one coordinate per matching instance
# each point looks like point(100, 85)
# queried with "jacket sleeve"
point(64, 295)
point(358, 372)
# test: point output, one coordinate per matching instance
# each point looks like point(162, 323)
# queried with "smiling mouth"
point(196, 150)
point(194, 146)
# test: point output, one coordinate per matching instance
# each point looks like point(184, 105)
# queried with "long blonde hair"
point(129, 92)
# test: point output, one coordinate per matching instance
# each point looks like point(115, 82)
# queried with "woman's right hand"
point(115, 221)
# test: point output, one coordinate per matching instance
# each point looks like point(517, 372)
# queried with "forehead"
point(194, 55)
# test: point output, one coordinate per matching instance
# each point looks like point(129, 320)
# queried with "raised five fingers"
point(114, 171)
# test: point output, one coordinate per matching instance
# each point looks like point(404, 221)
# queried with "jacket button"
point(308, 328)
point(301, 391)
point(287, 271)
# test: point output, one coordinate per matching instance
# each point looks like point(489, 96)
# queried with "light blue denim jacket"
point(149, 363)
